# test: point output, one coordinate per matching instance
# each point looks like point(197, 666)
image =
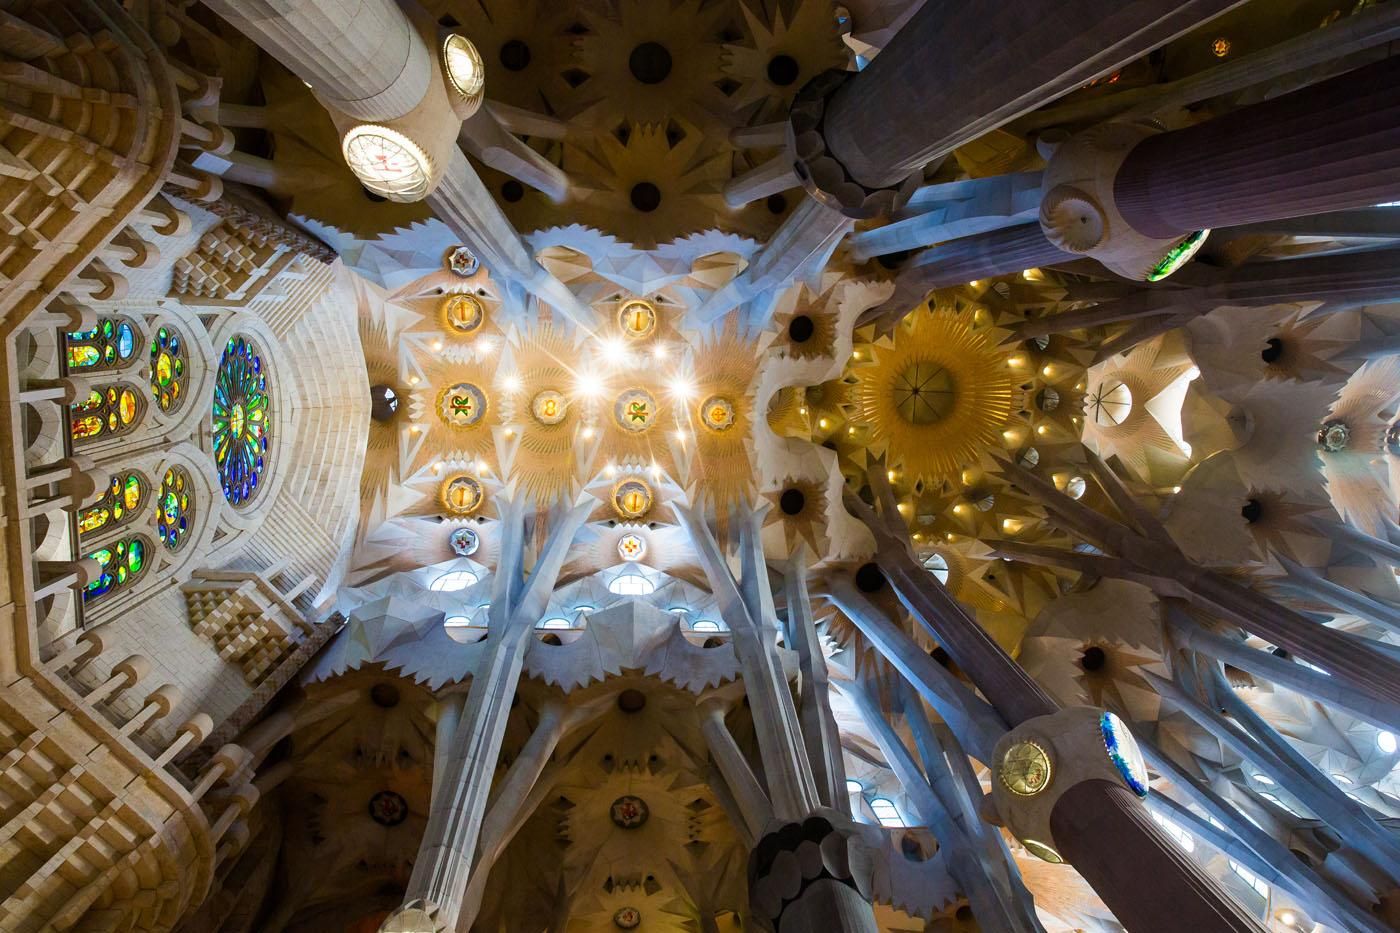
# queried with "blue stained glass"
point(241, 419)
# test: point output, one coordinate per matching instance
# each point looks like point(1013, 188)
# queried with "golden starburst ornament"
point(936, 395)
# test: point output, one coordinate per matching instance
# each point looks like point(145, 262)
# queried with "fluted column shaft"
point(1155, 885)
point(1331, 146)
point(361, 56)
point(957, 70)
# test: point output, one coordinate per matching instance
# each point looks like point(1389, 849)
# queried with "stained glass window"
point(174, 507)
point(167, 369)
point(109, 345)
point(241, 418)
point(117, 506)
point(107, 411)
point(122, 563)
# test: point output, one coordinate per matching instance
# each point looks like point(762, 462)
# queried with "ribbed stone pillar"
point(999, 252)
point(361, 56)
point(1328, 147)
point(1148, 881)
point(957, 70)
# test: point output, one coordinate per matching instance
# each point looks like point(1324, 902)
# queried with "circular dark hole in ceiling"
point(940, 654)
point(964, 913)
point(792, 501)
point(646, 197)
point(515, 55)
point(776, 203)
point(385, 695)
point(383, 402)
point(551, 639)
point(782, 70)
point(1273, 349)
point(801, 329)
point(650, 63)
point(1252, 511)
point(631, 701)
point(869, 579)
point(1093, 658)
point(512, 191)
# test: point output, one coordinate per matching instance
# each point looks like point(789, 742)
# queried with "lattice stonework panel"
point(229, 267)
point(241, 627)
point(84, 138)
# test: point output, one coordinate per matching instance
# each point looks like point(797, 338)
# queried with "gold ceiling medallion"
point(635, 410)
point(462, 495)
point(717, 413)
point(462, 405)
point(934, 397)
point(924, 393)
point(462, 314)
point(549, 407)
point(632, 498)
point(1025, 769)
point(637, 318)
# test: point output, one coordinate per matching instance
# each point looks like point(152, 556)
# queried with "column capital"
point(794, 860)
point(823, 175)
point(1042, 759)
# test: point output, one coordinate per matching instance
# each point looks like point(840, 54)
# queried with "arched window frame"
point(113, 558)
point(117, 502)
point(108, 403)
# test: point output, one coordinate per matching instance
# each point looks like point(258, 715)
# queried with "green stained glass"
point(167, 368)
point(1178, 256)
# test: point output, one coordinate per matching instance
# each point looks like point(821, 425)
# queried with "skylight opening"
point(632, 584)
point(452, 581)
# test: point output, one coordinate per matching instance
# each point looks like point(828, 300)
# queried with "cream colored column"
point(360, 56)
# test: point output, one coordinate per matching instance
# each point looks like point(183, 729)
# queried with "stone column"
point(957, 70)
point(1156, 887)
point(818, 725)
point(734, 768)
point(367, 62)
point(1327, 147)
point(1135, 199)
point(1079, 756)
point(983, 256)
point(434, 896)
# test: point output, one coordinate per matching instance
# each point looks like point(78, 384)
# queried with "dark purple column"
point(1147, 880)
point(957, 70)
point(1328, 147)
point(1005, 684)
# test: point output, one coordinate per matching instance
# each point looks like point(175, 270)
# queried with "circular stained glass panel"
point(717, 413)
point(463, 314)
point(461, 261)
point(464, 541)
point(174, 508)
point(241, 418)
point(462, 495)
point(637, 318)
point(629, 812)
point(549, 407)
point(632, 498)
point(167, 369)
point(627, 918)
point(462, 405)
point(635, 410)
